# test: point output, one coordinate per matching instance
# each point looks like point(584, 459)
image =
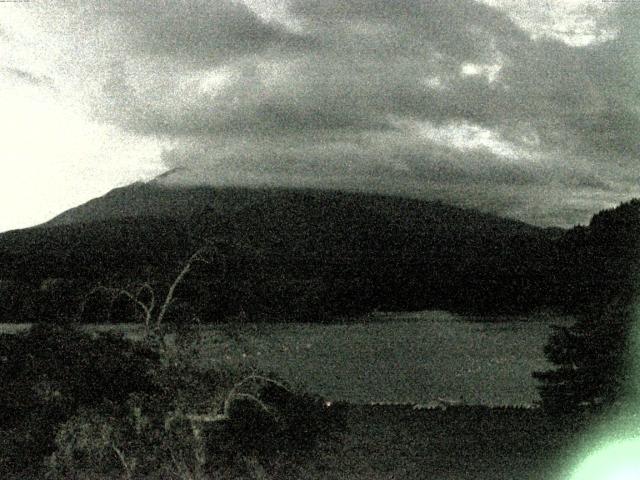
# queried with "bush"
point(50, 371)
point(276, 419)
point(108, 442)
point(144, 441)
point(100, 406)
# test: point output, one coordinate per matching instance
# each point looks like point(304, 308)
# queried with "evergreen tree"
point(594, 358)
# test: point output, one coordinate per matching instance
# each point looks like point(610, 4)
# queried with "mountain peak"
point(171, 176)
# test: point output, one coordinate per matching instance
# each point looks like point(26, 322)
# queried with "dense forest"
point(305, 255)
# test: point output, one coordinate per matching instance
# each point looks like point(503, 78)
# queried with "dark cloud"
point(196, 33)
point(612, 130)
point(463, 30)
point(361, 77)
point(244, 105)
point(440, 98)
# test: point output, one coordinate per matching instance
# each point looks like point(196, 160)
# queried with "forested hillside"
point(302, 254)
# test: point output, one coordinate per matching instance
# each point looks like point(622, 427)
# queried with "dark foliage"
point(155, 433)
point(50, 371)
point(295, 422)
point(592, 357)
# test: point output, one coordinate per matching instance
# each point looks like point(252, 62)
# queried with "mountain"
point(153, 199)
point(284, 252)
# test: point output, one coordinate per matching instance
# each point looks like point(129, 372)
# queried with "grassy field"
point(480, 443)
point(462, 443)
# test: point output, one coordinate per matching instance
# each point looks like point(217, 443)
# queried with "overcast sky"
point(528, 109)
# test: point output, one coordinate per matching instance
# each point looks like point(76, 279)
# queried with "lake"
point(412, 357)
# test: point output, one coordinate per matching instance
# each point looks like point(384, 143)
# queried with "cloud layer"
point(524, 112)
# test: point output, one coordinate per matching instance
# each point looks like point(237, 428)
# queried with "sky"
point(528, 109)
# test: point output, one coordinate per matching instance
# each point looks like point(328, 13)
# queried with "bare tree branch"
point(147, 286)
point(116, 292)
point(153, 320)
point(196, 257)
point(123, 460)
point(254, 399)
point(233, 392)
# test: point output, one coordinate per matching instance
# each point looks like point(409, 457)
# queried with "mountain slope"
point(156, 200)
point(289, 250)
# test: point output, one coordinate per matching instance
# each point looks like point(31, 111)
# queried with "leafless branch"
point(196, 257)
point(148, 306)
point(116, 292)
point(152, 300)
point(123, 461)
point(233, 393)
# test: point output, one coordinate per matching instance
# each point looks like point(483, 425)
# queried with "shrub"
point(159, 437)
point(102, 406)
point(50, 371)
point(112, 442)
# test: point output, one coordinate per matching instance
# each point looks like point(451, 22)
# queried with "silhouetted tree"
point(593, 357)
